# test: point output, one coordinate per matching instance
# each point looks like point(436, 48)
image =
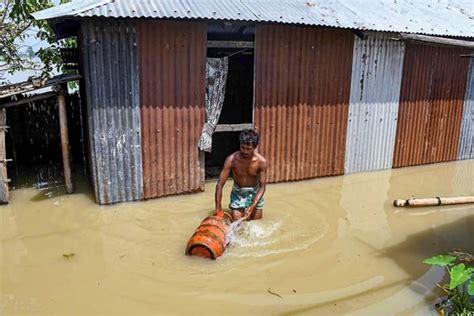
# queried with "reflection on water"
point(325, 246)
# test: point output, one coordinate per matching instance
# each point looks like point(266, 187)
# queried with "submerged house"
point(333, 87)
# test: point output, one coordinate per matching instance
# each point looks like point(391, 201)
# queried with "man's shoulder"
point(260, 158)
point(232, 156)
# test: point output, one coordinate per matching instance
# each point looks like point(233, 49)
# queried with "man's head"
point(248, 142)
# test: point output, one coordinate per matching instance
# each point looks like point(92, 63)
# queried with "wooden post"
point(4, 193)
point(64, 141)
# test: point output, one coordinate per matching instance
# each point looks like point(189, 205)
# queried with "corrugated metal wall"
point(431, 105)
point(171, 58)
point(373, 110)
point(466, 142)
point(113, 114)
point(302, 94)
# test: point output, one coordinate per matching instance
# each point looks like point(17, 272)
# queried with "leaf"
point(470, 288)
point(441, 260)
point(459, 275)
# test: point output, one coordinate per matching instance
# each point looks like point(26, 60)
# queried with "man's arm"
point(262, 179)
point(222, 179)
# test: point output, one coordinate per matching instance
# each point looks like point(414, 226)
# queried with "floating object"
point(435, 201)
point(68, 255)
point(209, 239)
point(274, 293)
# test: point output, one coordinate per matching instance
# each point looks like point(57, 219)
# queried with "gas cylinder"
point(209, 239)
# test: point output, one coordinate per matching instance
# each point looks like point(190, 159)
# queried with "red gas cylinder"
point(209, 239)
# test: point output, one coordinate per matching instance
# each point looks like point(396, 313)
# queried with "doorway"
point(236, 42)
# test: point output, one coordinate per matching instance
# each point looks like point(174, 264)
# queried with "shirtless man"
point(249, 172)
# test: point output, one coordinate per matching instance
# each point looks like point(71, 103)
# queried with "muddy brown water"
point(325, 246)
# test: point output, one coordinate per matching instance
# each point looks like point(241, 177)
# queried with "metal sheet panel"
point(466, 141)
point(302, 96)
point(373, 110)
point(447, 17)
point(172, 58)
point(113, 113)
point(431, 103)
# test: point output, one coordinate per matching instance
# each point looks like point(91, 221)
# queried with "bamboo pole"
point(65, 141)
point(435, 201)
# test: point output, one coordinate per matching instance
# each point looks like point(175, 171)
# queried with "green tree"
point(16, 24)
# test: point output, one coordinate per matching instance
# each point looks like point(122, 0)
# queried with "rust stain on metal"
point(303, 79)
point(172, 97)
point(431, 105)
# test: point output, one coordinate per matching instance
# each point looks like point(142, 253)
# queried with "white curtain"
point(216, 77)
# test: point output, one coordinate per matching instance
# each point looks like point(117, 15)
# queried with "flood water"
point(325, 246)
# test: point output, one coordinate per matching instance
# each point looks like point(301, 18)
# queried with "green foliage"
point(441, 260)
point(459, 298)
point(459, 274)
point(470, 288)
point(16, 25)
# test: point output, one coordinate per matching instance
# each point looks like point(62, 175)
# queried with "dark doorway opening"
point(34, 146)
point(237, 111)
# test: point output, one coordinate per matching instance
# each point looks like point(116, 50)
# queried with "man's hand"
point(249, 211)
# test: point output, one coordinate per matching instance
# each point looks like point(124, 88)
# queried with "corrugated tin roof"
point(436, 17)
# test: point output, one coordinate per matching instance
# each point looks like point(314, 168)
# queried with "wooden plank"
point(4, 193)
point(435, 40)
point(230, 44)
point(35, 83)
point(28, 100)
point(233, 127)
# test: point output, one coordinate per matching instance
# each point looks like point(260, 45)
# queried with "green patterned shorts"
point(241, 198)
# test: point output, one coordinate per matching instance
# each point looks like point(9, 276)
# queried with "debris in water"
point(434, 201)
point(294, 291)
point(463, 257)
point(46, 185)
point(68, 255)
point(273, 293)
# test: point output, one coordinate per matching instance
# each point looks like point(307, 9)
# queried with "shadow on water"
point(410, 253)
point(409, 256)
point(345, 298)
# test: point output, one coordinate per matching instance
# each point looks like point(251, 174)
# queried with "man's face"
point(247, 150)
